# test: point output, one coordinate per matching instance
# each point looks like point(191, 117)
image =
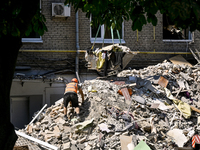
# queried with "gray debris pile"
point(152, 108)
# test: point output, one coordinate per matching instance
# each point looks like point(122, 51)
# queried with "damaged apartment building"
point(46, 63)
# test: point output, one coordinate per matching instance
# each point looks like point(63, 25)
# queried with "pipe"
point(77, 44)
point(83, 51)
point(154, 33)
point(178, 53)
point(43, 144)
point(53, 51)
point(36, 115)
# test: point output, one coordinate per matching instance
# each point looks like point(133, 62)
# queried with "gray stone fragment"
point(73, 147)
point(54, 141)
point(92, 137)
point(73, 142)
point(139, 99)
point(81, 146)
point(82, 140)
point(44, 121)
point(65, 139)
point(88, 147)
point(66, 146)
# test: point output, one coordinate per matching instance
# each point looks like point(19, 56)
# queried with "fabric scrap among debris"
point(178, 136)
point(183, 107)
point(142, 146)
point(104, 127)
point(162, 106)
point(84, 124)
point(100, 61)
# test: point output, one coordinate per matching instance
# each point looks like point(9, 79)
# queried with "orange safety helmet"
point(74, 80)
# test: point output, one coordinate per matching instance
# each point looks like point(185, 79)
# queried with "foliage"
point(37, 24)
point(14, 19)
point(184, 13)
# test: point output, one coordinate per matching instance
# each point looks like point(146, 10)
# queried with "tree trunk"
point(9, 51)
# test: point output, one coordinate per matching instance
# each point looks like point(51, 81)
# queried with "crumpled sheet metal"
point(82, 125)
point(183, 107)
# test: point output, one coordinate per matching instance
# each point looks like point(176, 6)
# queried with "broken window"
point(33, 37)
point(171, 32)
point(108, 36)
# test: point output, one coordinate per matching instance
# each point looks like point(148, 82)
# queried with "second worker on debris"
point(70, 95)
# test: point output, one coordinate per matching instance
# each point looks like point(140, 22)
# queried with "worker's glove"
point(80, 84)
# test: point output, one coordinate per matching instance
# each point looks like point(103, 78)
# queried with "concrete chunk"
point(139, 99)
point(178, 136)
point(62, 121)
point(82, 140)
point(66, 146)
point(88, 147)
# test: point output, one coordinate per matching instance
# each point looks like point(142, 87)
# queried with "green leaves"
point(14, 22)
point(15, 31)
point(152, 19)
point(182, 13)
point(138, 23)
point(196, 10)
point(37, 24)
point(29, 30)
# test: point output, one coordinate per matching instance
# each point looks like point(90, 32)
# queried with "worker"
point(71, 96)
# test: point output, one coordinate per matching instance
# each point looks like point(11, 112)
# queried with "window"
point(173, 33)
point(108, 36)
point(33, 37)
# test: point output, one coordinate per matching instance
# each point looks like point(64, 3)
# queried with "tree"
point(184, 13)
point(17, 19)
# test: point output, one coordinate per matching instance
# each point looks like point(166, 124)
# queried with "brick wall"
point(61, 30)
point(61, 36)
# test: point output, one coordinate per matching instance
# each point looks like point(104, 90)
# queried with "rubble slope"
point(164, 103)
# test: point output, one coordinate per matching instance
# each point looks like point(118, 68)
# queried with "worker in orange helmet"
point(71, 96)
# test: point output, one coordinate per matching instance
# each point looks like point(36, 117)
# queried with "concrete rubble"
point(164, 105)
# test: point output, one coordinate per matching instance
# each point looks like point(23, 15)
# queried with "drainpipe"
point(77, 44)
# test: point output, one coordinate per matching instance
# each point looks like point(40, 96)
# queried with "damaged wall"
point(161, 112)
point(61, 36)
point(28, 95)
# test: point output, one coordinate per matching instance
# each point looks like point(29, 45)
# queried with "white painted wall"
point(40, 91)
point(38, 87)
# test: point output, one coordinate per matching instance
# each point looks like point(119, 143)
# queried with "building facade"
point(56, 51)
point(61, 35)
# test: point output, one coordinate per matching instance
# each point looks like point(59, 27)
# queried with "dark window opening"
point(115, 36)
point(170, 31)
point(94, 32)
point(32, 35)
point(107, 33)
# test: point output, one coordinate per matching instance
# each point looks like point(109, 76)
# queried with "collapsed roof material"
point(156, 113)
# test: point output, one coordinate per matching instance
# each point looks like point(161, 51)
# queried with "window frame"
point(190, 37)
point(33, 40)
point(100, 40)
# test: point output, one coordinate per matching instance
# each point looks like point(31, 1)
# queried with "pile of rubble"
point(152, 108)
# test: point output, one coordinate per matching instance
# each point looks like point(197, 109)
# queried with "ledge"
point(181, 41)
point(108, 41)
point(31, 41)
